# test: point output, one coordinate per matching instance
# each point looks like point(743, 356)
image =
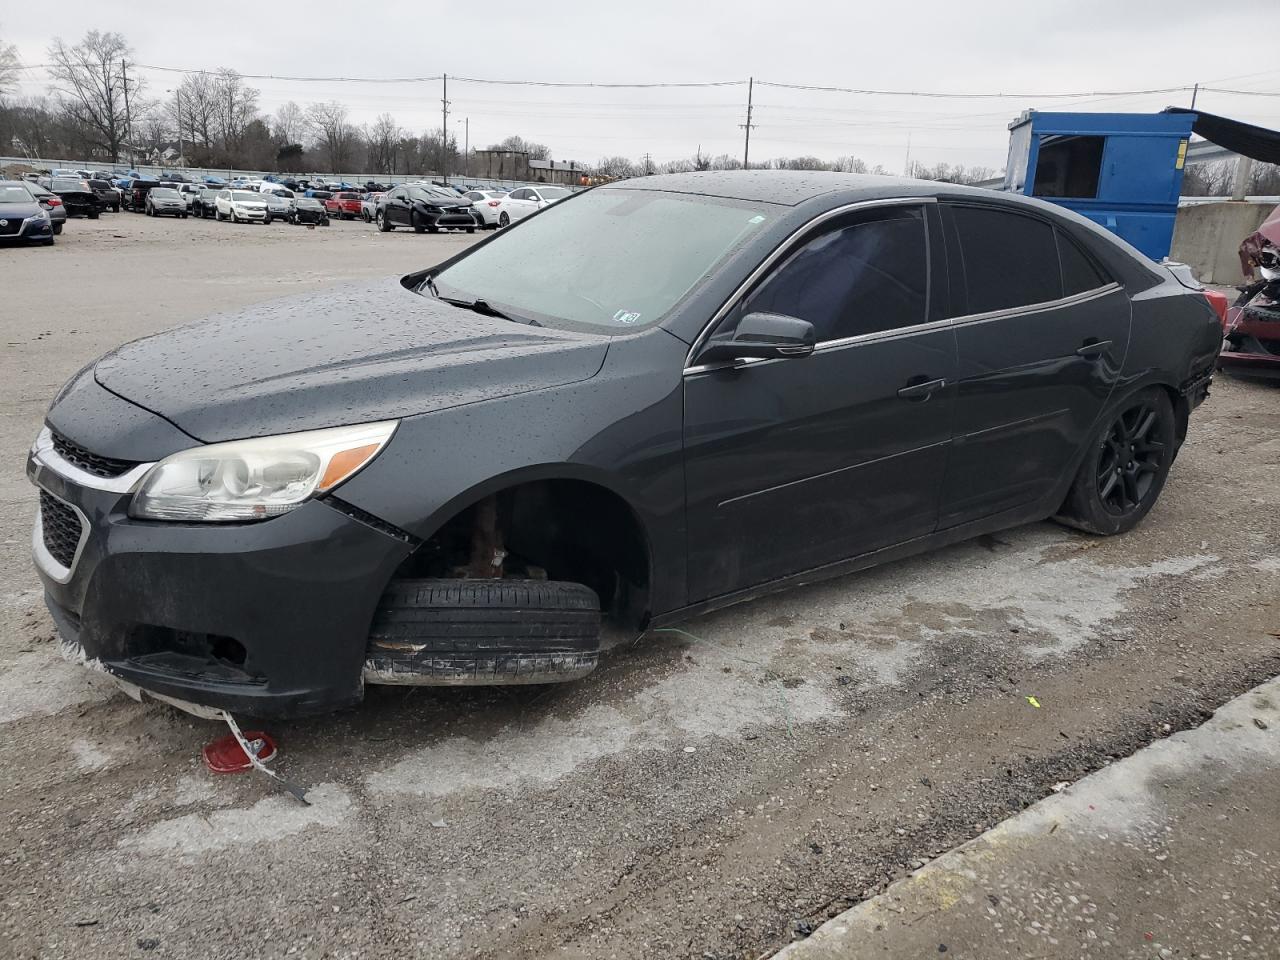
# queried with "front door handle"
point(1093, 348)
point(922, 390)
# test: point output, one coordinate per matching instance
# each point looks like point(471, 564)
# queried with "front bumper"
point(268, 618)
point(31, 228)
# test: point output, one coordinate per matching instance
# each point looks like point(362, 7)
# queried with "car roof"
point(786, 187)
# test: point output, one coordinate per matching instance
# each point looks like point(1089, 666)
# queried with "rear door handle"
point(1094, 348)
point(921, 391)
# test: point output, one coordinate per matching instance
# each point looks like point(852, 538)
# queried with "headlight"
point(256, 479)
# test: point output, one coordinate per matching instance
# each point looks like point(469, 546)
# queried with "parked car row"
point(423, 206)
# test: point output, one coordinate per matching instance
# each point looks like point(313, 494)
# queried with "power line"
point(967, 96)
point(812, 88)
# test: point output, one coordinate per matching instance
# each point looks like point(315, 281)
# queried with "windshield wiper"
point(484, 308)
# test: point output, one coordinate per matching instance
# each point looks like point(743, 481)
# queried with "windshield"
point(553, 193)
point(246, 196)
point(611, 261)
point(431, 194)
point(14, 195)
point(164, 193)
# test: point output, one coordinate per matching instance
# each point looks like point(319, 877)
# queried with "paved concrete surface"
point(708, 793)
point(1173, 852)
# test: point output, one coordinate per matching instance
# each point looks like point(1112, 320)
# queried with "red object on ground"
point(224, 755)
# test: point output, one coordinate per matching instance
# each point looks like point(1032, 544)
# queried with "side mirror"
point(766, 336)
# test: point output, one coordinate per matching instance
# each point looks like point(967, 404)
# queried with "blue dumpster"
point(1121, 170)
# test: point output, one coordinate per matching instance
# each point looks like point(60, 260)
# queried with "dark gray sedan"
point(649, 400)
point(22, 217)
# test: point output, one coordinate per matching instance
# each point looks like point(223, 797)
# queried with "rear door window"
point(1010, 260)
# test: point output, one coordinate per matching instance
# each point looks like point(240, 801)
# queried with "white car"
point(527, 200)
point(242, 206)
point(486, 203)
point(189, 193)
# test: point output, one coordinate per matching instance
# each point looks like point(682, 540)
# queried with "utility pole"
point(648, 164)
point(906, 167)
point(746, 146)
point(444, 129)
point(128, 119)
point(1194, 91)
point(466, 148)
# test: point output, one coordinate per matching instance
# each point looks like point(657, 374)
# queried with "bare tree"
point(89, 79)
point(849, 165)
point(196, 99)
point(8, 67)
point(288, 124)
point(237, 106)
point(27, 124)
point(615, 167)
point(518, 144)
point(333, 132)
point(154, 126)
point(726, 161)
point(384, 139)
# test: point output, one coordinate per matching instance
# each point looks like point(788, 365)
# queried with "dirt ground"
point(713, 791)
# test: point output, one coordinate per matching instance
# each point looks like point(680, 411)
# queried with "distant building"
point(516, 165)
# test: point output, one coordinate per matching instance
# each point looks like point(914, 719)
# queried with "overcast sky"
point(1026, 48)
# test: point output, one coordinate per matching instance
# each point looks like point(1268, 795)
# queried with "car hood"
point(359, 353)
point(19, 211)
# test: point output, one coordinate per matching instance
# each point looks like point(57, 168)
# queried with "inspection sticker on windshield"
point(758, 218)
point(625, 316)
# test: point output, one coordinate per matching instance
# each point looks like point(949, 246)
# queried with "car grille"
point(61, 529)
point(90, 462)
point(11, 226)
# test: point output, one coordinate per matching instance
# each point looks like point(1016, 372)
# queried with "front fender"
point(621, 430)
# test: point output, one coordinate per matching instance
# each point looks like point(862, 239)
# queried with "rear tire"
point(503, 219)
point(57, 229)
point(93, 214)
point(384, 222)
point(1125, 466)
point(483, 632)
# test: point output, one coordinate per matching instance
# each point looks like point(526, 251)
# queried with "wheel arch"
point(550, 507)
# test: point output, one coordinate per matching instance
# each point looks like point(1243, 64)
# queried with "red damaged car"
point(344, 205)
point(1251, 325)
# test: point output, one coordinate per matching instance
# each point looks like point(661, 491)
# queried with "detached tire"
point(1125, 466)
point(450, 632)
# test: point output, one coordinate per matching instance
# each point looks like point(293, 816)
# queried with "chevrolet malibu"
point(649, 400)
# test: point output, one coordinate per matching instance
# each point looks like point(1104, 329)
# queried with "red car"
point(345, 206)
point(1251, 325)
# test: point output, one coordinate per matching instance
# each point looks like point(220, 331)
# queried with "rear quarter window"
point(1079, 272)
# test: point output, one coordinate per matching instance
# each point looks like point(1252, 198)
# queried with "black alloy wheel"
point(1125, 466)
point(1132, 455)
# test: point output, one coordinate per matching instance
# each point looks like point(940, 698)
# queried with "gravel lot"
point(711, 792)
